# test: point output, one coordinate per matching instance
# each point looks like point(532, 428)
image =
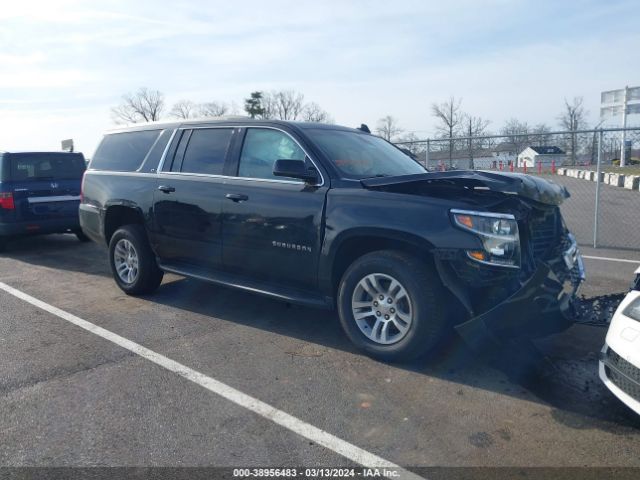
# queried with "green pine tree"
point(253, 105)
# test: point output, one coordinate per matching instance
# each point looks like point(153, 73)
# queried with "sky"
point(64, 64)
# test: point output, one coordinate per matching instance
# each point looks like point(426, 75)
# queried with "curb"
point(629, 182)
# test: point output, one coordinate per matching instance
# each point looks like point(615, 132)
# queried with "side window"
point(262, 147)
point(207, 150)
point(124, 152)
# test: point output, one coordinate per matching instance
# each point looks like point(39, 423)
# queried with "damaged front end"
point(521, 280)
point(533, 301)
point(542, 304)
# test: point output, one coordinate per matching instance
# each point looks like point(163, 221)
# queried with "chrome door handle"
point(166, 189)
point(237, 197)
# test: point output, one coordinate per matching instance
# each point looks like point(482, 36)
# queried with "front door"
point(272, 227)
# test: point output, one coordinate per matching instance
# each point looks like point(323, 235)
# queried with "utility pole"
point(624, 125)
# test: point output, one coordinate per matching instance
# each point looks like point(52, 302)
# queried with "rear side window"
point(46, 167)
point(207, 150)
point(124, 152)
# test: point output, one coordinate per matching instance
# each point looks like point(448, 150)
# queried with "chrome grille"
point(622, 373)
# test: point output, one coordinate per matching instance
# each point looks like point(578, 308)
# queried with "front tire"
point(391, 306)
point(132, 261)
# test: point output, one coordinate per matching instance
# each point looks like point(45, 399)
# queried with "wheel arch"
point(354, 244)
point(119, 214)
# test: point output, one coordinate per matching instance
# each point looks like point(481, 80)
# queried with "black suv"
point(40, 193)
point(335, 217)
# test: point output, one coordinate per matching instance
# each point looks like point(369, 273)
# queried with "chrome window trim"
point(320, 184)
point(184, 174)
point(165, 151)
point(230, 177)
point(120, 174)
point(159, 171)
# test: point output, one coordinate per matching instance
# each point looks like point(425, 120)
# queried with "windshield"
point(359, 155)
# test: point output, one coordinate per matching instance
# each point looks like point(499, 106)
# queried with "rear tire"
point(132, 261)
point(81, 236)
point(399, 305)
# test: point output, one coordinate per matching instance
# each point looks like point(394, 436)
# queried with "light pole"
point(625, 101)
point(624, 125)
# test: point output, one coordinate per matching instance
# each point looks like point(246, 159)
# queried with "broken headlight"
point(498, 233)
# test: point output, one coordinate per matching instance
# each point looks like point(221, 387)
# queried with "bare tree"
point(183, 109)
point(283, 105)
point(213, 109)
point(268, 106)
point(542, 134)
point(234, 108)
point(450, 118)
point(517, 133)
point(573, 118)
point(145, 105)
point(388, 128)
point(312, 112)
point(412, 143)
point(474, 127)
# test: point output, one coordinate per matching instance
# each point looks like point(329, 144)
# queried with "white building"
point(506, 153)
point(544, 155)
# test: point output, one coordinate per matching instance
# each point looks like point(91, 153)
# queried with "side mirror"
point(295, 169)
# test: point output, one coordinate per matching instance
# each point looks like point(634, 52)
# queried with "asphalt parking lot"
point(617, 219)
point(69, 397)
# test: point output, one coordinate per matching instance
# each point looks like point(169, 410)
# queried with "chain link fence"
point(604, 207)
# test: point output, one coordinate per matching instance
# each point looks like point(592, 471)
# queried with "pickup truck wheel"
point(132, 261)
point(390, 305)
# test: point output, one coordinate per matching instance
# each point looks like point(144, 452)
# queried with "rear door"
point(187, 206)
point(46, 185)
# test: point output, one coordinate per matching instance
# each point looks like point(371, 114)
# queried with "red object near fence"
point(539, 167)
point(511, 166)
point(553, 166)
point(525, 167)
point(500, 165)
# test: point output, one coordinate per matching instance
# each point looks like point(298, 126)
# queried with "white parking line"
point(637, 262)
point(315, 434)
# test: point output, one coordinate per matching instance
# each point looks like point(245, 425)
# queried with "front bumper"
point(543, 305)
point(621, 377)
point(620, 358)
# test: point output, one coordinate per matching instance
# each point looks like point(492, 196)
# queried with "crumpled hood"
point(534, 188)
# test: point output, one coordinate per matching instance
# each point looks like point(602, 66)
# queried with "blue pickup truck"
point(40, 193)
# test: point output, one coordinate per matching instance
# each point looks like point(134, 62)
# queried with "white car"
point(620, 357)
